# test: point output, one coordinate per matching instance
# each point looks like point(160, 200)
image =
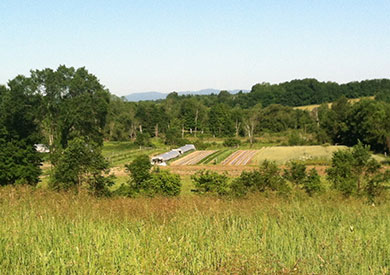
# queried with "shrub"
point(143, 140)
point(80, 163)
point(266, 177)
point(296, 172)
point(206, 181)
point(312, 182)
point(144, 182)
point(163, 183)
point(139, 171)
point(200, 145)
point(374, 187)
point(355, 171)
point(295, 139)
point(19, 162)
point(231, 142)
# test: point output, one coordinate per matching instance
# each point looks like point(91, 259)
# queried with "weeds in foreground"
point(46, 232)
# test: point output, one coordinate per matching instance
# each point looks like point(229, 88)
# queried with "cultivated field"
point(240, 157)
point(193, 158)
point(283, 154)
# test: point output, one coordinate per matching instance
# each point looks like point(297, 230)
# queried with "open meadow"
point(44, 233)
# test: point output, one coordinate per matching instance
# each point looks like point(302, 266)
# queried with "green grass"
point(62, 233)
point(211, 157)
point(119, 153)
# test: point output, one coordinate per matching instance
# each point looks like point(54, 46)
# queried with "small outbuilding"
point(174, 153)
point(185, 148)
point(163, 158)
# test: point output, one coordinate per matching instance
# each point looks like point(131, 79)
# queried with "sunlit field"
point(44, 233)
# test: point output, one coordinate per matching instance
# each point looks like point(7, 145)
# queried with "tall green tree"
point(74, 107)
point(19, 161)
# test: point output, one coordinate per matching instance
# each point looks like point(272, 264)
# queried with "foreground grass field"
point(44, 233)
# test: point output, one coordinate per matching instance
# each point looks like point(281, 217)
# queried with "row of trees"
point(174, 118)
point(347, 123)
point(190, 117)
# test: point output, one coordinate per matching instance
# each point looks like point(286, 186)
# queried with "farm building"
point(185, 148)
point(163, 158)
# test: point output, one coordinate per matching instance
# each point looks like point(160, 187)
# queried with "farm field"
point(193, 158)
point(232, 161)
point(283, 154)
point(240, 157)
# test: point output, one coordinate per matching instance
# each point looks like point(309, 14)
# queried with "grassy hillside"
point(311, 107)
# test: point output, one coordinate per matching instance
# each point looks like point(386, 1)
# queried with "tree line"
point(178, 117)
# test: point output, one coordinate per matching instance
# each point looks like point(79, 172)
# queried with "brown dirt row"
point(193, 158)
point(240, 157)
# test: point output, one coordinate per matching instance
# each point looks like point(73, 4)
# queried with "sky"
point(179, 45)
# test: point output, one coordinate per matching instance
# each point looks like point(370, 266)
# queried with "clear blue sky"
point(136, 46)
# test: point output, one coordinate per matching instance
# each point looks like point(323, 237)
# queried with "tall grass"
point(44, 233)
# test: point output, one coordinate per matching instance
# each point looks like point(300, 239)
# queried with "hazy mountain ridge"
point(159, 95)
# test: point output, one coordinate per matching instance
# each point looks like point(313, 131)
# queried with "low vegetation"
point(46, 232)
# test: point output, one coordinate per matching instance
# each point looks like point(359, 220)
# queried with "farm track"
point(193, 158)
point(240, 157)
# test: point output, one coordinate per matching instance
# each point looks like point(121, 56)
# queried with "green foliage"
point(74, 104)
point(366, 120)
point(295, 172)
point(146, 183)
point(201, 145)
point(354, 171)
point(163, 183)
point(309, 182)
point(143, 140)
point(220, 121)
point(81, 162)
point(19, 161)
point(312, 182)
point(207, 181)
point(295, 139)
point(375, 187)
point(139, 171)
point(231, 142)
point(383, 95)
point(172, 136)
point(267, 177)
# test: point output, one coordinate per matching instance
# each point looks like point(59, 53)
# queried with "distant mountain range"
point(158, 95)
